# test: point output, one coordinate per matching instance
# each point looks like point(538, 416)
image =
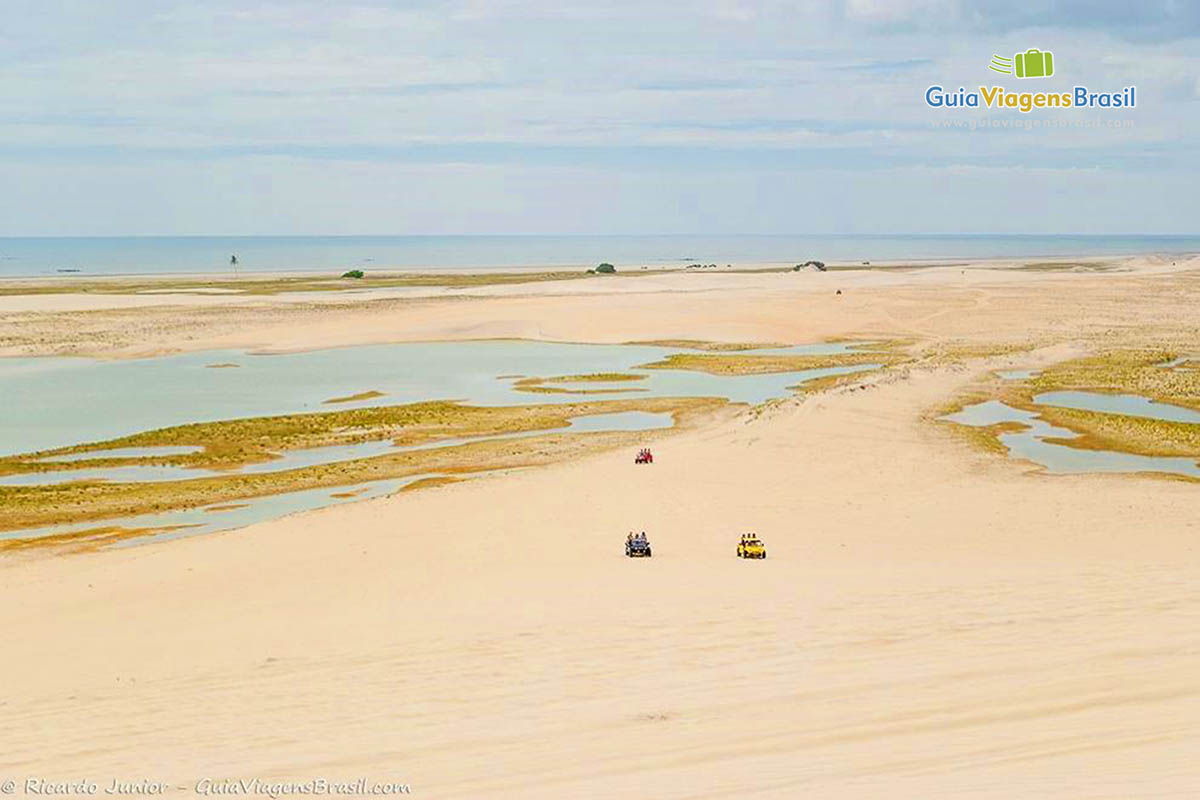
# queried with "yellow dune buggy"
point(751, 547)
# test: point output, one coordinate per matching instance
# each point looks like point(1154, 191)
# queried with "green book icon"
point(1034, 63)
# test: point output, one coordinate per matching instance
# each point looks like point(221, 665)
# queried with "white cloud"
point(887, 12)
point(694, 95)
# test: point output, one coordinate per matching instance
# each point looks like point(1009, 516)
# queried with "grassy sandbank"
point(229, 444)
point(539, 385)
point(237, 441)
point(353, 398)
point(1136, 371)
point(749, 364)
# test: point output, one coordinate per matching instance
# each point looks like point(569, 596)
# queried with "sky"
point(131, 117)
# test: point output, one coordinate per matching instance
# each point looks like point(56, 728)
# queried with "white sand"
point(931, 621)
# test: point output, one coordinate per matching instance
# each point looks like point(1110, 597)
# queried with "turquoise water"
point(240, 513)
point(206, 520)
point(126, 452)
point(25, 256)
point(53, 402)
point(619, 421)
point(58, 402)
point(313, 456)
point(140, 473)
point(1030, 444)
point(1130, 405)
point(1017, 374)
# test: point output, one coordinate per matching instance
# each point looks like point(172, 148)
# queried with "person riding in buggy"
point(751, 546)
point(637, 545)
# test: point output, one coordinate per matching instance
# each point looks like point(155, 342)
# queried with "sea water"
point(90, 256)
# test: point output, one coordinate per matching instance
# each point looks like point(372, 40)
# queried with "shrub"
point(606, 269)
point(354, 273)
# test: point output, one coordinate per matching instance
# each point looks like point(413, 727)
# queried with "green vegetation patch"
point(83, 541)
point(957, 352)
point(537, 385)
point(1129, 371)
point(597, 377)
point(353, 398)
point(988, 438)
point(748, 364)
point(237, 441)
point(828, 382)
point(1148, 437)
point(1135, 371)
point(259, 285)
point(232, 443)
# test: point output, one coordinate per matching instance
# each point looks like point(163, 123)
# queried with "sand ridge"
point(733, 306)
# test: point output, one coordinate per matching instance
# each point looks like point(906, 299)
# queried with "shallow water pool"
point(1030, 444)
point(1130, 405)
point(58, 402)
point(126, 452)
point(314, 456)
point(226, 516)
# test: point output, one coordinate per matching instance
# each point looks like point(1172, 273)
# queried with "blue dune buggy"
point(638, 546)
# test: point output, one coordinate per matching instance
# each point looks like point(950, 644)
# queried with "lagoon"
point(1130, 405)
point(59, 402)
point(1030, 444)
point(227, 516)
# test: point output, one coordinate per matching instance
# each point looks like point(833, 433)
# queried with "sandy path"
point(930, 622)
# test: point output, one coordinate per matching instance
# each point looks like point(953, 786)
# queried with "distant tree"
point(354, 273)
point(606, 269)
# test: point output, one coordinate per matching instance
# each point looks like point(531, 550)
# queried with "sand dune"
point(928, 621)
point(931, 621)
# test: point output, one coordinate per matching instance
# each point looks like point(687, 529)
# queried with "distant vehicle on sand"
point(751, 547)
point(638, 546)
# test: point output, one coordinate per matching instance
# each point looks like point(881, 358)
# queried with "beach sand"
point(931, 621)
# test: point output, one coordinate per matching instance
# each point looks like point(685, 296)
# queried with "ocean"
point(33, 256)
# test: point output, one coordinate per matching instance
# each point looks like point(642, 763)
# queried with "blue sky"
point(514, 116)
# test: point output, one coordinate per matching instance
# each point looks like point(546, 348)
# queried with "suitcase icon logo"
point(1033, 63)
